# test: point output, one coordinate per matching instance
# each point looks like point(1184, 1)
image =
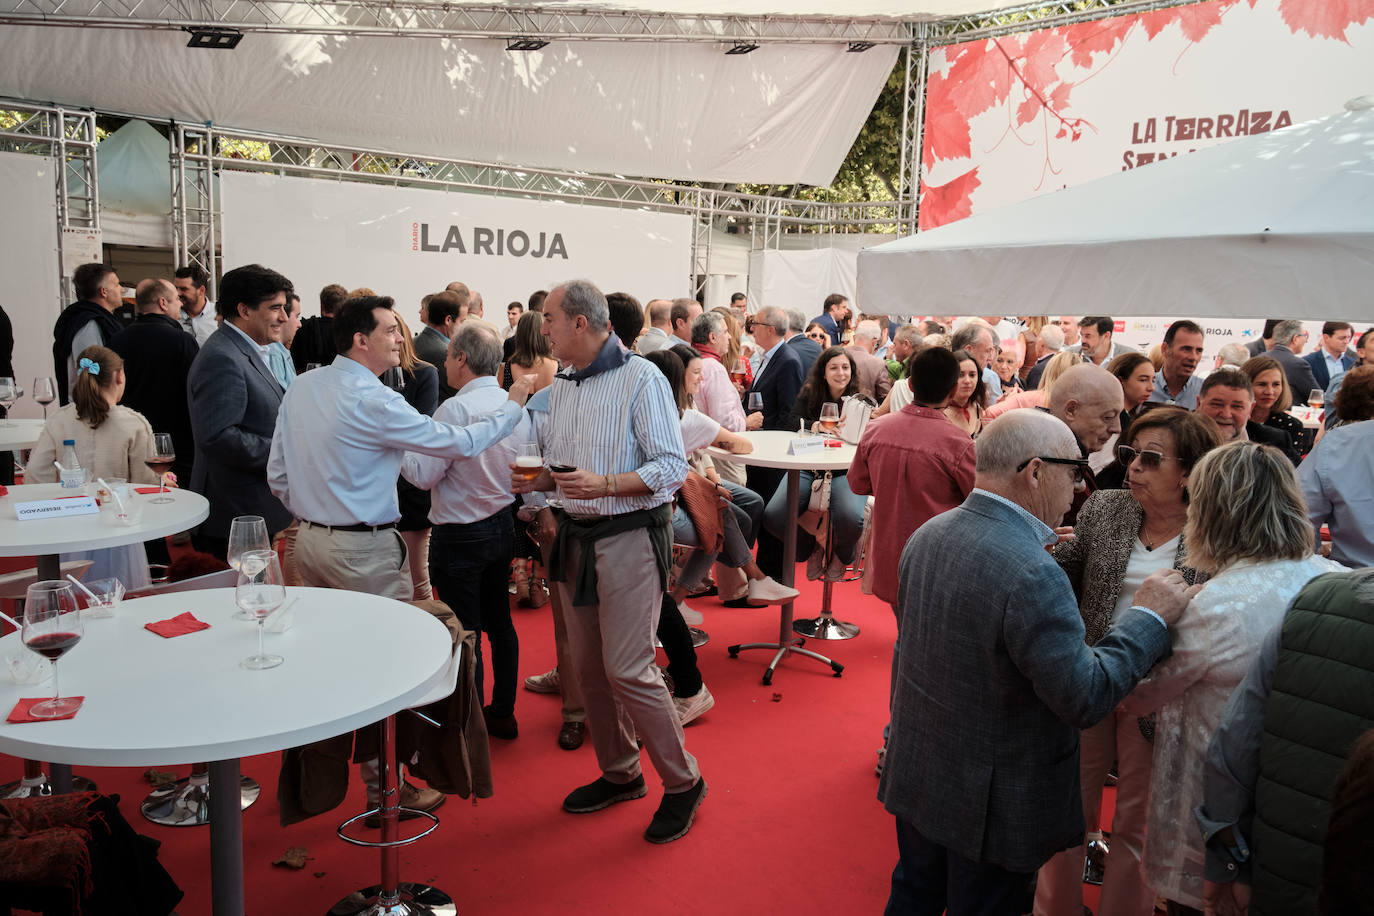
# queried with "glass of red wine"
point(163, 456)
point(52, 626)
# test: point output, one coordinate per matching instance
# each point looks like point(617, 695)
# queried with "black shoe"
point(500, 726)
point(571, 734)
point(738, 602)
point(602, 794)
point(674, 815)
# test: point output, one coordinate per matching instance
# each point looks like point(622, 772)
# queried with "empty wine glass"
point(52, 626)
point(260, 591)
point(830, 416)
point(247, 535)
point(160, 462)
point(44, 392)
point(9, 393)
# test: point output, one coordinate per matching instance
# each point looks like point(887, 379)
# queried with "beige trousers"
point(373, 562)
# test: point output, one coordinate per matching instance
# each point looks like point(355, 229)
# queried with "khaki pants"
point(417, 549)
point(372, 562)
point(574, 709)
point(1059, 891)
point(286, 546)
point(612, 645)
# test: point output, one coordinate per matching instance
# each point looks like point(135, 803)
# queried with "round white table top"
point(351, 659)
point(17, 434)
point(91, 532)
point(770, 451)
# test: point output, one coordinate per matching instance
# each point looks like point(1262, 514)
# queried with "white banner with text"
point(408, 242)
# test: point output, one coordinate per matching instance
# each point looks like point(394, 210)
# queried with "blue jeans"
point(469, 566)
point(741, 528)
point(846, 513)
point(930, 879)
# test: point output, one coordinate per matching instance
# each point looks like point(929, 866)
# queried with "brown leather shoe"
point(412, 797)
point(571, 734)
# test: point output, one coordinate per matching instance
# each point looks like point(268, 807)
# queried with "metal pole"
point(226, 839)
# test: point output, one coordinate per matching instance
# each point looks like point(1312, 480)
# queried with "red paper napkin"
point(179, 625)
point(20, 712)
point(146, 490)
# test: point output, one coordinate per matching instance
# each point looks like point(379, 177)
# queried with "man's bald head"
point(1089, 400)
point(1011, 462)
point(156, 295)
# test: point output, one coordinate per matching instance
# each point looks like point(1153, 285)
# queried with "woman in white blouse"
point(1247, 526)
point(111, 441)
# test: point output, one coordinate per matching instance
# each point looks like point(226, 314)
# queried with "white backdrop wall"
point(405, 243)
point(28, 239)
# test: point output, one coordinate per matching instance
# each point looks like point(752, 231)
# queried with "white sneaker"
point(769, 591)
point(690, 708)
point(690, 617)
point(548, 682)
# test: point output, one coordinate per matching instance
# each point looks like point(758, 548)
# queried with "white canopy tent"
point(1275, 225)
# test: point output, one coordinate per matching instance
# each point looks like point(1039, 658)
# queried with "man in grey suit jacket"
point(996, 679)
point(1289, 338)
point(234, 397)
point(808, 351)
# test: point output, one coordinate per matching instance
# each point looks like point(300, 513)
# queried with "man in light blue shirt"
point(473, 538)
point(279, 350)
point(1177, 383)
point(337, 450)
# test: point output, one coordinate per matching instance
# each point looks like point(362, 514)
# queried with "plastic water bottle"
point(73, 474)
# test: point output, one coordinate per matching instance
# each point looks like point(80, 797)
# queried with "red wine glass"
point(160, 461)
point(52, 626)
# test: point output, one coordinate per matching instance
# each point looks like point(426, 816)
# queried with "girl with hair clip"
point(111, 441)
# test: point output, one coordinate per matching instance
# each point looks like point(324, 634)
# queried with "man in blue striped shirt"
point(614, 451)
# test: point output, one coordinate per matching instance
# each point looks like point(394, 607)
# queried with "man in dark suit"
point(834, 312)
point(234, 399)
point(314, 340)
point(1260, 345)
point(1289, 338)
point(442, 315)
point(780, 375)
point(808, 351)
point(158, 353)
point(996, 680)
point(1227, 397)
point(1333, 357)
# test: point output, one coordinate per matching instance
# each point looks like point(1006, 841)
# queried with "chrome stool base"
point(411, 899)
point(825, 627)
point(699, 637)
point(186, 802)
point(30, 788)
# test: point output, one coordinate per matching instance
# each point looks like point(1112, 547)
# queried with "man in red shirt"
point(916, 462)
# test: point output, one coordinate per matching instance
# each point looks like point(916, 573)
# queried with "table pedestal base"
point(186, 802)
point(35, 784)
point(408, 899)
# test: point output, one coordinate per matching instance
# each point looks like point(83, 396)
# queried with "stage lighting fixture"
point(208, 37)
point(858, 47)
point(742, 47)
point(524, 43)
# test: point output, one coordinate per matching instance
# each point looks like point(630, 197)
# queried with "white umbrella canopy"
point(1275, 225)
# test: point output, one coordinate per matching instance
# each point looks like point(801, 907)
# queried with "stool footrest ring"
point(381, 844)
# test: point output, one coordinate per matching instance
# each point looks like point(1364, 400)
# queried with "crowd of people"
point(1087, 549)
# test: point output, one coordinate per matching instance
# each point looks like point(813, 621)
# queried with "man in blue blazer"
point(780, 375)
point(996, 680)
point(1332, 357)
point(808, 351)
point(234, 398)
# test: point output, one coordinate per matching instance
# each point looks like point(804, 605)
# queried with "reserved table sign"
point(805, 445)
point(56, 508)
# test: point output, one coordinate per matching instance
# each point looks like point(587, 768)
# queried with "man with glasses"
point(980, 810)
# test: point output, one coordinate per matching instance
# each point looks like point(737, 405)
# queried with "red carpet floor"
point(791, 824)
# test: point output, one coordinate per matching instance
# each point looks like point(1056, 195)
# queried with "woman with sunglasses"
point(1121, 536)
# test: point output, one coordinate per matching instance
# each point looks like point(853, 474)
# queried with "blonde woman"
point(1037, 397)
point(1258, 551)
point(111, 441)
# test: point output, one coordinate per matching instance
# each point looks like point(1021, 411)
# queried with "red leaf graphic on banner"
point(979, 79)
point(1059, 98)
point(1325, 18)
point(946, 128)
point(948, 202)
point(1044, 50)
point(1198, 19)
point(1099, 37)
point(1027, 110)
point(1158, 21)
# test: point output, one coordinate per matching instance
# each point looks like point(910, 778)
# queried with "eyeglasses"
point(1079, 465)
point(1149, 458)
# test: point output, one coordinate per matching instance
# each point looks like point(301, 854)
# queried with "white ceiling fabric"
point(786, 113)
point(895, 9)
point(1279, 225)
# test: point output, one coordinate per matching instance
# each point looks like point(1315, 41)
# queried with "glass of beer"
point(830, 417)
point(1316, 398)
point(529, 463)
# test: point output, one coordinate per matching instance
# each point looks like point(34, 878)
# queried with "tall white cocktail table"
point(19, 434)
point(770, 451)
point(350, 660)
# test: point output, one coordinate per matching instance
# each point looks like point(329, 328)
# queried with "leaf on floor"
point(295, 857)
point(159, 778)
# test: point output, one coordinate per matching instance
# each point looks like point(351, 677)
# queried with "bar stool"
point(826, 626)
point(35, 783)
point(394, 897)
point(186, 802)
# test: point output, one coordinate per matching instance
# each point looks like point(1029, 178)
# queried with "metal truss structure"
point(419, 18)
point(67, 136)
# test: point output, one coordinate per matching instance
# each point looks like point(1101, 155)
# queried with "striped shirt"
point(619, 419)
